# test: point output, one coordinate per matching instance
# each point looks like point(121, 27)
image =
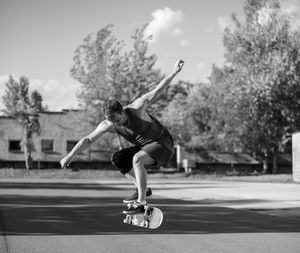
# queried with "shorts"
point(123, 159)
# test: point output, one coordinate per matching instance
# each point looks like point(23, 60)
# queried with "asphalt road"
point(87, 217)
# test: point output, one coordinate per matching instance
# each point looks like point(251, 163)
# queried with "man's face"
point(116, 118)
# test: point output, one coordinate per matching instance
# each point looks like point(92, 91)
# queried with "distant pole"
point(178, 157)
point(296, 156)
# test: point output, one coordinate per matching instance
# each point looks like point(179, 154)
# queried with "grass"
point(114, 174)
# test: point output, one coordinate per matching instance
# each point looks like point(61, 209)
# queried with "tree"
point(200, 114)
point(24, 108)
point(207, 120)
point(106, 70)
point(263, 55)
point(175, 112)
point(92, 60)
point(221, 127)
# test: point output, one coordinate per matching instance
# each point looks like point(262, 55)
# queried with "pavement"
point(260, 196)
point(279, 199)
point(41, 215)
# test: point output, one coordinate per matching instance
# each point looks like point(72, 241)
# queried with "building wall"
point(57, 126)
point(9, 130)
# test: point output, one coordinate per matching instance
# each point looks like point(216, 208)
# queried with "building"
point(225, 162)
point(59, 132)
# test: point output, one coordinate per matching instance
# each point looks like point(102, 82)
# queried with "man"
point(153, 143)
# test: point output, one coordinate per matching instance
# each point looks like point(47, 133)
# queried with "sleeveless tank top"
point(140, 132)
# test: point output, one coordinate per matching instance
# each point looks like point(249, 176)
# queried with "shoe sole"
point(129, 201)
point(133, 213)
point(132, 200)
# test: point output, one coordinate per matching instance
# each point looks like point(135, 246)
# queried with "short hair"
point(111, 106)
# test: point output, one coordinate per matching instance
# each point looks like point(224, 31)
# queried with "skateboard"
point(152, 218)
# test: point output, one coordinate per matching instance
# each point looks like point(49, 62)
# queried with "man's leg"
point(139, 161)
point(131, 177)
point(123, 161)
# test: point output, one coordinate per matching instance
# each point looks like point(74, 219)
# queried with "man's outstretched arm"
point(85, 142)
point(151, 96)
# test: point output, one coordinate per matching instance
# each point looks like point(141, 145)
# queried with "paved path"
point(200, 216)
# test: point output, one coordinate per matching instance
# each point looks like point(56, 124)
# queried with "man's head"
point(114, 112)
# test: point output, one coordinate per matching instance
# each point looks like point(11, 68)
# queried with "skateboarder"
point(153, 144)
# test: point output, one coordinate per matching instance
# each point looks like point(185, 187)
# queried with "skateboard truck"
point(140, 219)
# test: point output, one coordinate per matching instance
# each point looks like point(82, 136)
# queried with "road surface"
point(86, 216)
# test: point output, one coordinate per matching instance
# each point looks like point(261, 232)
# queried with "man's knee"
point(142, 158)
point(137, 159)
point(122, 160)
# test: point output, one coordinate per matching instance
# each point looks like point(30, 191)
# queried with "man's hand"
point(178, 66)
point(65, 161)
point(147, 99)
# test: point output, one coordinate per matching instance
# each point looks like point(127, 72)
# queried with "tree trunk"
point(27, 150)
point(275, 163)
point(27, 155)
point(265, 165)
point(265, 162)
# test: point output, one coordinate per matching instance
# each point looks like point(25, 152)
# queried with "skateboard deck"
point(152, 218)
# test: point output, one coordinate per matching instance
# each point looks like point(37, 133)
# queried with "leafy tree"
point(197, 114)
point(175, 112)
point(221, 129)
point(263, 55)
point(106, 70)
point(208, 114)
point(90, 69)
point(25, 108)
point(200, 114)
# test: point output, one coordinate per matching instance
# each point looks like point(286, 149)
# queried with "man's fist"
point(65, 161)
point(178, 66)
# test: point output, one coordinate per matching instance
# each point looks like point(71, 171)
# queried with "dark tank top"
point(140, 132)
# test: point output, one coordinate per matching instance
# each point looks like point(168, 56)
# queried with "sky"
point(39, 37)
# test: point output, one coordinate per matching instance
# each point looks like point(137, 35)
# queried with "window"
point(47, 146)
point(70, 145)
point(14, 146)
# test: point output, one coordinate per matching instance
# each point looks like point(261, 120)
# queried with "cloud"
point(210, 28)
point(223, 22)
point(3, 80)
point(184, 43)
point(160, 65)
point(177, 32)
point(200, 66)
point(56, 94)
point(164, 21)
point(292, 8)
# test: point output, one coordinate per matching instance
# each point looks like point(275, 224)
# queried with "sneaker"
point(134, 196)
point(136, 208)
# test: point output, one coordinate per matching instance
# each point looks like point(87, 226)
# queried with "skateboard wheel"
point(144, 223)
point(128, 219)
point(148, 211)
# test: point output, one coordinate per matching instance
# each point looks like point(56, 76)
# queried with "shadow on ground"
point(31, 214)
